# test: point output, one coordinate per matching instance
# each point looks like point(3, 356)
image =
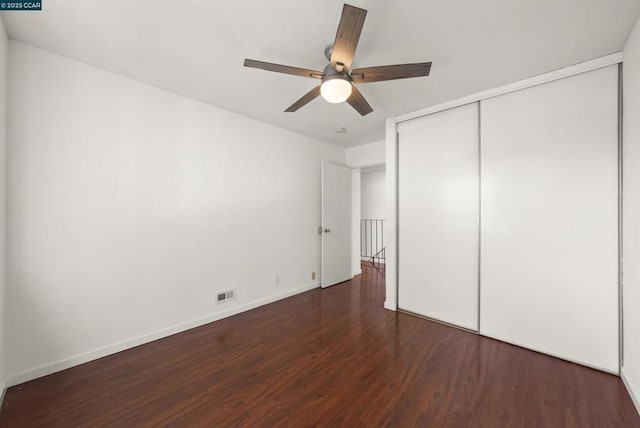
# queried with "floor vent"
point(226, 295)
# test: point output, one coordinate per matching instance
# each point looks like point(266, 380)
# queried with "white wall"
point(130, 206)
point(366, 155)
point(355, 221)
point(3, 147)
point(373, 196)
point(631, 214)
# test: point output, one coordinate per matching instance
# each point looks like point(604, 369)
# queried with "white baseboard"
point(56, 366)
point(356, 272)
point(390, 305)
point(632, 393)
point(3, 391)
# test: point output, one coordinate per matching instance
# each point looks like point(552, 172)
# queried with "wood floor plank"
point(328, 357)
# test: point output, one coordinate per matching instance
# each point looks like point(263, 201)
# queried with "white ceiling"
point(197, 47)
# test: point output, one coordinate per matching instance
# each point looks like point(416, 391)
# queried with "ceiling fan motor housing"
point(332, 73)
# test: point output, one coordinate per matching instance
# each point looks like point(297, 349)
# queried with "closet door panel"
point(438, 209)
point(549, 230)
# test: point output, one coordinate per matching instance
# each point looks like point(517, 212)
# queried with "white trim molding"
point(391, 271)
point(3, 391)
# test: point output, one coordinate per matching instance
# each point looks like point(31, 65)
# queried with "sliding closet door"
point(549, 231)
point(438, 208)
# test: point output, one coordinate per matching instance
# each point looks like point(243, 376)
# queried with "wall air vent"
point(225, 295)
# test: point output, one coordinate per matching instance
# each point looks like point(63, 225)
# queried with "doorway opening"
point(373, 218)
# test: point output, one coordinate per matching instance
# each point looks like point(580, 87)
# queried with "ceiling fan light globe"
point(336, 90)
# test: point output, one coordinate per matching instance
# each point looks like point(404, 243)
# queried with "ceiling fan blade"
point(296, 71)
point(305, 99)
point(390, 72)
point(357, 101)
point(347, 36)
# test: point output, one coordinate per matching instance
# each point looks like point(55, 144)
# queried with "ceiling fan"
point(337, 78)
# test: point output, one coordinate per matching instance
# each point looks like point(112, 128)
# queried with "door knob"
point(325, 230)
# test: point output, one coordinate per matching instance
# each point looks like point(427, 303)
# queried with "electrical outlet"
point(313, 275)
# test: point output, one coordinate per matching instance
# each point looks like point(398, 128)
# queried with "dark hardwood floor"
point(330, 357)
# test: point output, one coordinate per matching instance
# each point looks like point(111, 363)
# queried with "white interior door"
point(336, 224)
point(438, 216)
point(549, 269)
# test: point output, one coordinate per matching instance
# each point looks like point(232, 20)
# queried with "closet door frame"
point(391, 153)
